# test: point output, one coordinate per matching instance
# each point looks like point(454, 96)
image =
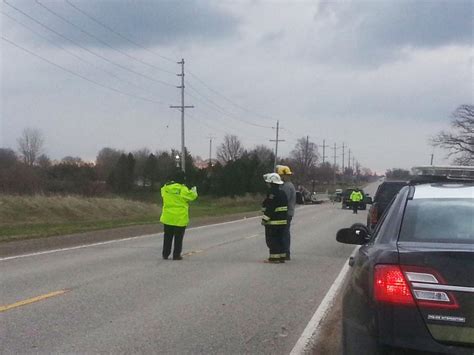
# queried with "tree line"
point(236, 171)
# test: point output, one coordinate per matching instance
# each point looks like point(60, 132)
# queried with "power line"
point(118, 33)
point(79, 75)
point(68, 51)
point(221, 109)
point(84, 48)
point(163, 57)
point(229, 100)
point(102, 41)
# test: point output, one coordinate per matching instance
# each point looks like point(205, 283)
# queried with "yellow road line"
point(31, 300)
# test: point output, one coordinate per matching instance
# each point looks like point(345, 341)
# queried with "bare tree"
point(44, 161)
point(231, 149)
point(263, 154)
point(106, 160)
point(460, 140)
point(304, 158)
point(8, 158)
point(30, 145)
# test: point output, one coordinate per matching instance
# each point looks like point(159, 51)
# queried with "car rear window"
point(439, 221)
point(387, 191)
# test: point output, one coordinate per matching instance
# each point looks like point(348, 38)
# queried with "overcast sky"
point(380, 76)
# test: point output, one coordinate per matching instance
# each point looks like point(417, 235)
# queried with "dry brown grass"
point(20, 210)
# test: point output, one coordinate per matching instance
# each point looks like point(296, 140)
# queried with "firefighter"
point(275, 218)
point(290, 191)
point(356, 197)
point(175, 216)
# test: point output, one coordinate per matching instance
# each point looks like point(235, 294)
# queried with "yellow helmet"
point(283, 170)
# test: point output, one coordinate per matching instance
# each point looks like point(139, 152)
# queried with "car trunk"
point(441, 279)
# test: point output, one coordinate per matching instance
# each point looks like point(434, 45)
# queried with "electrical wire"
point(168, 59)
point(117, 33)
point(79, 75)
point(140, 46)
point(102, 41)
point(220, 109)
point(84, 48)
point(69, 52)
point(227, 99)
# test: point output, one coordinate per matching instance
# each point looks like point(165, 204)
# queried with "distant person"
point(356, 197)
point(275, 218)
point(175, 213)
point(290, 191)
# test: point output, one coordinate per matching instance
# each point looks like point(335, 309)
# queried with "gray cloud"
point(150, 23)
point(375, 32)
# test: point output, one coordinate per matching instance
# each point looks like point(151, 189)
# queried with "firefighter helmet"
point(272, 178)
point(283, 170)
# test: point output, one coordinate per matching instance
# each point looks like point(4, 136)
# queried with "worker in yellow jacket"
point(175, 214)
point(356, 197)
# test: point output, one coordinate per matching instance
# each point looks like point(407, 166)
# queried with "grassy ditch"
point(24, 217)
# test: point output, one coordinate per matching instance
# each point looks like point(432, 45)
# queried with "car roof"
point(444, 190)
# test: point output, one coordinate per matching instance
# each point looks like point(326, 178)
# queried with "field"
point(23, 217)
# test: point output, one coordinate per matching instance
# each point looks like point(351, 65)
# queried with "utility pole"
point(432, 156)
point(210, 149)
point(343, 153)
point(182, 107)
point(349, 160)
point(276, 144)
point(324, 150)
point(335, 162)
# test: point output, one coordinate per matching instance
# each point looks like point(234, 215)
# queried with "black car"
point(385, 193)
point(347, 203)
point(411, 289)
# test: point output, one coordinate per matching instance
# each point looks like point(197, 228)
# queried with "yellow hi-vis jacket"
point(176, 198)
point(356, 196)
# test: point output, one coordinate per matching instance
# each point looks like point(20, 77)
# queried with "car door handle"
point(351, 261)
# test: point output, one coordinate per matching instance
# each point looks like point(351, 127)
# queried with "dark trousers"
point(287, 237)
point(171, 232)
point(355, 206)
point(274, 238)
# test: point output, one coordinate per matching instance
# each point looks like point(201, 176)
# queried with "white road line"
point(313, 329)
point(114, 241)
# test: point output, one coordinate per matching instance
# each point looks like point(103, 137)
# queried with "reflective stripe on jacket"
point(275, 208)
point(176, 198)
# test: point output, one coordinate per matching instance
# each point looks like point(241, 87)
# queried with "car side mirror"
point(358, 236)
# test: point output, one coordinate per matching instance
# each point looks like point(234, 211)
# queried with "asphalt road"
point(121, 297)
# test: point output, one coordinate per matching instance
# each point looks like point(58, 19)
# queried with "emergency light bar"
point(448, 172)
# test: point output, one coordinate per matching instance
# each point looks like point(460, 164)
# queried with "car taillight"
point(426, 284)
point(410, 286)
point(390, 286)
point(373, 215)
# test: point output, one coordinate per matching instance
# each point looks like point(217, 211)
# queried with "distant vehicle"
point(303, 195)
point(347, 203)
point(411, 289)
point(338, 195)
point(300, 198)
point(385, 193)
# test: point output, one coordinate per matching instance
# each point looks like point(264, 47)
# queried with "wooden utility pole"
point(182, 107)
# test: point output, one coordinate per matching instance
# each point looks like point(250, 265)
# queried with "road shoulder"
point(19, 247)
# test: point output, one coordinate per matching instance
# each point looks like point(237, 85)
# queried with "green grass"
point(23, 217)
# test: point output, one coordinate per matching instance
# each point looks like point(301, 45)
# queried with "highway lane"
point(122, 297)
